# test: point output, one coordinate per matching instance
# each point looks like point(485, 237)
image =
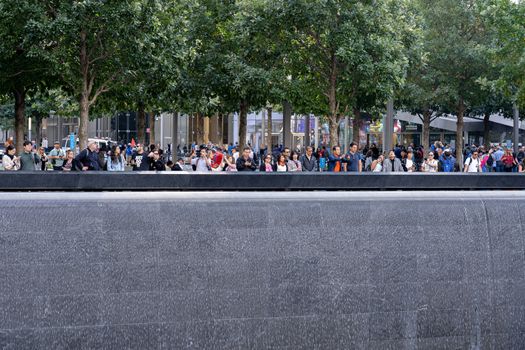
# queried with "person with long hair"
point(43, 158)
point(293, 163)
point(69, 162)
point(281, 165)
point(116, 161)
point(10, 161)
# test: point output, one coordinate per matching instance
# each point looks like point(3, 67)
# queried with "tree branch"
point(102, 88)
point(24, 71)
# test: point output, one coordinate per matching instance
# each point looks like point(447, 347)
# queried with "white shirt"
point(432, 167)
point(473, 165)
point(409, 165)
point(202, 164)
point(281, 168)
point(378, 168)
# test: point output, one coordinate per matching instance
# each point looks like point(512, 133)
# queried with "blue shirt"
point(498, 155)
point(352, 161)
point(448, 163)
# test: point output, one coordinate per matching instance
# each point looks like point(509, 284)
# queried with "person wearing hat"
point(447, 161)
point(57, 156)
point(87, 159)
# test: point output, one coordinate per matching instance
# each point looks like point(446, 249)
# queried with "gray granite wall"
point(267, 273)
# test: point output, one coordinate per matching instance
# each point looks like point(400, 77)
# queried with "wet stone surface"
point(263, 274)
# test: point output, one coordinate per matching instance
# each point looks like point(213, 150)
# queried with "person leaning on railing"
point(116, 161)
point(10, 161)
point(267, 166)
point(244, 162)
point(69, 163)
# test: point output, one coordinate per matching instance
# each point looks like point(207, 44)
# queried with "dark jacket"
point(262, 168)
point(157, 165)
point(332, 162)
point(309, 164)
point(242, 167)
point(177, 167)
point(74, 165)
point(88, 159)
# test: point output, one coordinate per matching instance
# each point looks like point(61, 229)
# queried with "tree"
point(507, 19)
point(99, 48)
point(341, 52)
point(456, 43)
point(25, 54)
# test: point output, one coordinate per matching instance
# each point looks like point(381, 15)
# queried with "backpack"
point(490, 161)
point(470, 162)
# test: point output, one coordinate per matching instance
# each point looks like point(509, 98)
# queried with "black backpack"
point(490, 160)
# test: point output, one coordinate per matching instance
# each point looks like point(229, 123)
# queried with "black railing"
point(245, 181)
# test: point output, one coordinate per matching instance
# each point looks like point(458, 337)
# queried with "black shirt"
point(141, 162)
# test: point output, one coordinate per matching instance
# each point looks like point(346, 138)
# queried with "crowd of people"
point(230, 158)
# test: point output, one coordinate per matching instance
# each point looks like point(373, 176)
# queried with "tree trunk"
point(86, 92)
point(355, 126)
point(459, 133)
point(269, 130)
point(84, 119)
point(425, 138)
point(333, 119)
point(20, 121)
point(486, 130)
point(333, 124)
point(152, 129)
point(141, 124)
point(242, 123)
point(38, 128)
point(199, 128)
point(220, 129)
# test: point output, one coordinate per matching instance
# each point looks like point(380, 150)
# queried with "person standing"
point(28, 159)
point(430, 165)
point(353, 160)
point(202, 163)
point(498, 165)
point(43, 158)
point(335, 161)
point(293, 163)
point(179, 166)
point(308, 160)
point(10, 161)
point(392, 164)
point(244, 162)
point(266, 166)
point(116, 161)
point(408, 162)
point(139, 160)
point(377, 165)
point(157, 164)
point(508, 161)
point(473, 163)
point(69, 163)
point(447, 161)
point(217, 160)
point(281, 166)
point(87, 159)
point(57, 156)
